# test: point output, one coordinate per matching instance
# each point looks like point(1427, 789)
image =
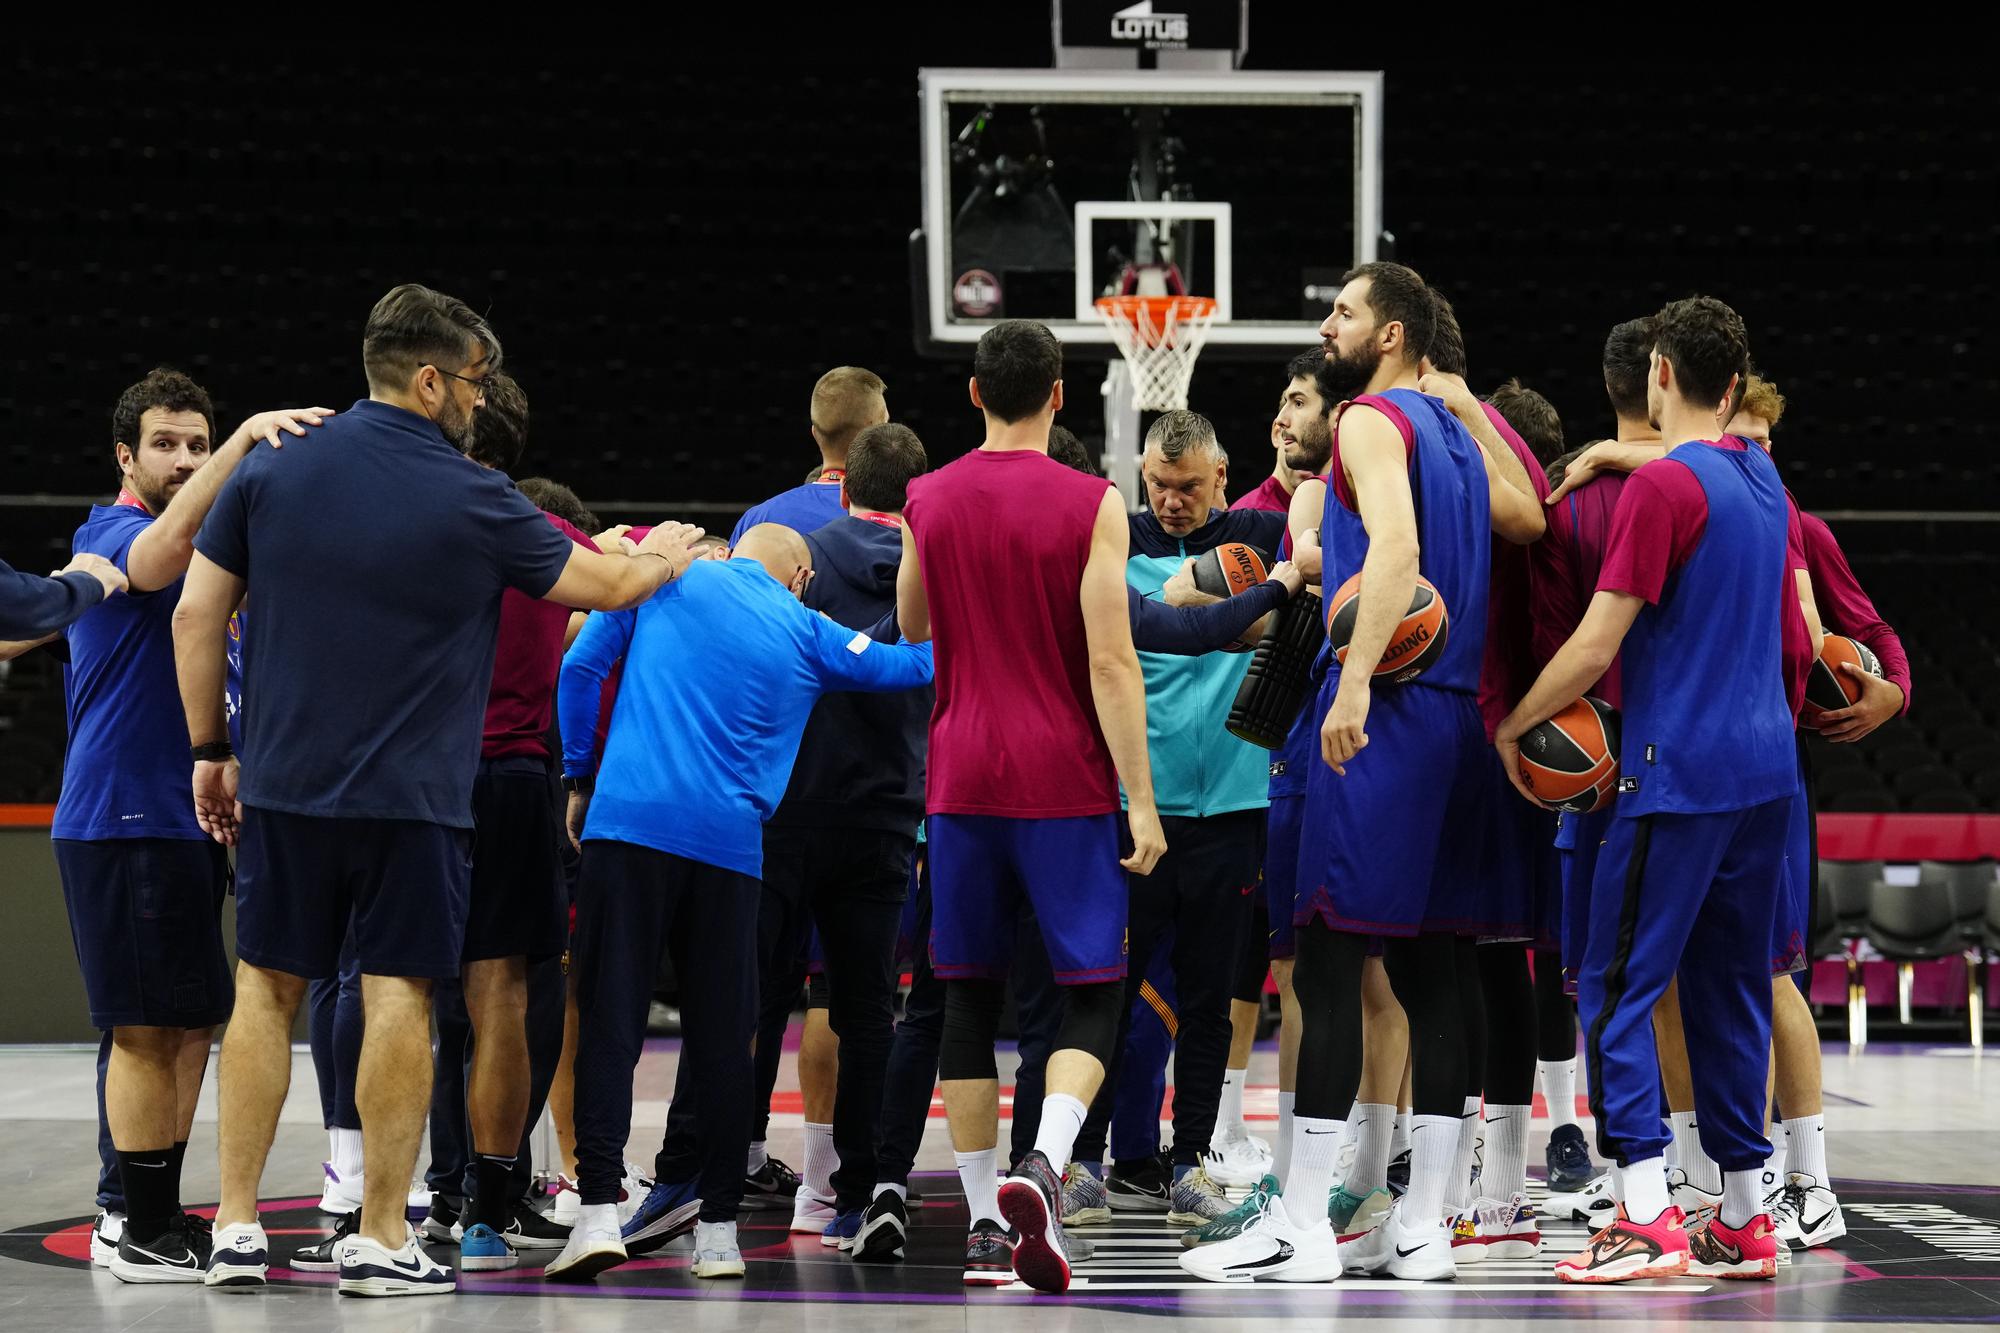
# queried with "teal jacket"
point(1199, 769)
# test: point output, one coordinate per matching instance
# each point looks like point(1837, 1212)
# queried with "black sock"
point(492, 1180)
point(152, 1192)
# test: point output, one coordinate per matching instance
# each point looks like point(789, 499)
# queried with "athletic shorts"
point(983, 865)
point(1578, 841)
point(1281, 871)
point(146, 917)
point(1382, 852)
point(400, 885)
point(520, 903)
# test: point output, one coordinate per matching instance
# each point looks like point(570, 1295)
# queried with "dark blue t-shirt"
point(375, 554)
point(803, 509)
point(126, 773)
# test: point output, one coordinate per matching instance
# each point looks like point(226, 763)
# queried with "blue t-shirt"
point(375, 555)
point(803, 509)
point(126, 773)
point(722, 668)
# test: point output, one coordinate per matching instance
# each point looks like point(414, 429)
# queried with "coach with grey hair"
point(1211, 788)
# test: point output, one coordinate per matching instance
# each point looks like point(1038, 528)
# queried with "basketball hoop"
point(1159, 337)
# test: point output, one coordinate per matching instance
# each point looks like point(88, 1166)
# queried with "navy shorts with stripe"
point(1281, 872)
point(519, 904)
point(983, 865)
point(401, 885)
point(145, 915)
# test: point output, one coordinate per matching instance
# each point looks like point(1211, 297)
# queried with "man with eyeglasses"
point(377, 565)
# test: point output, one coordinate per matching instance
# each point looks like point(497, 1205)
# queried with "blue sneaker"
point(484, 1250)
point(668, 1210)
point(1570, 1167)
point(841, 1231)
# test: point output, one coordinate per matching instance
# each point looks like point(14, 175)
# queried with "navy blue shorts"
point(1518, 885)
point(520, 902)
point(400, 885)
point(983, 865)
point(1381, 853)
point(1281, 871)
point(146, 918)
point(1788, 930)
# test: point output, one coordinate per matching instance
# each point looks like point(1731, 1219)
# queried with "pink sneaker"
point(1722, 1251)
point(1628, 1252)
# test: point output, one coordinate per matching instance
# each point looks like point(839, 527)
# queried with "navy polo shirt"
point(375, 554)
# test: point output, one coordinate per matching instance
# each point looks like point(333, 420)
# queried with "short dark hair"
point(1066, 449)
point(1533, 417)
point(1707, 344)
point(1627, 358)
point(1397, 295)
point(1447, 338)
point(1016, 364)
point(500, 429)
point(552, 497)
point(880, 463)
point(164, 388)
point(414, 326)
point(1311, 365)
point(1559, 465)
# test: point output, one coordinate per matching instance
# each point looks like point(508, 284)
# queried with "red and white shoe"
point(1628, 1252)
point(1723, 1251)
point(1490, 1229)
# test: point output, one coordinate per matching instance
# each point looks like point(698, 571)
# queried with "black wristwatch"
point(213, 752)
point(579, 786)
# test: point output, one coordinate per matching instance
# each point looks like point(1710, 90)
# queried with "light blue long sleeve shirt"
point(722, 668)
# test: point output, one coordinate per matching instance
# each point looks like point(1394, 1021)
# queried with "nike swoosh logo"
point(1284, 1254)
point(150, 1166)
point(1496, 1119)
point(1402, 1253)
point(1318, 1132)
point(185, 1259)
point(1817, 1222)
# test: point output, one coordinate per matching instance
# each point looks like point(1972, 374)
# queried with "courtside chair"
point(1912, 924)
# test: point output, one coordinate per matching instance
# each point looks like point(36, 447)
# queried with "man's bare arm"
point(612, 581)
point(1605, 456)
point(1116, 686)
point(913, 603)
point(201, 647)
point(1377, 466)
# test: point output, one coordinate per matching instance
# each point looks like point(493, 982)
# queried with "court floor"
point(1911, 1140)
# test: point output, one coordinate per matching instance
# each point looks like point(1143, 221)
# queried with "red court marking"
point(74, 1242)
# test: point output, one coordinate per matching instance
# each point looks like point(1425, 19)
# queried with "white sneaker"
point(1808, 1213)
point(1420, 1253)
point(715, 1250)
point(239, 1256)
point(1239, 1162)
point(1593, 1204)
point(369, 1268)
point(342, 1194)
point(1696, 1204)
point(632, 1191)
point(594, 1246)
point(1490, 1229)
point(811, 1212)
point(418, 1204)
point(105, 1233)
point(1343, 1160)
point(1270, 1248)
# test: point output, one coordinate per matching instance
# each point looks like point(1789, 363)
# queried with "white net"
point(1159, 337)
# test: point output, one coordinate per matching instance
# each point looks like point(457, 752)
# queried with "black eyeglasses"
point(479, 383)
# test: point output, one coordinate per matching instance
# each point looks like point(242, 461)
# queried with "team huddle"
point(488, 764)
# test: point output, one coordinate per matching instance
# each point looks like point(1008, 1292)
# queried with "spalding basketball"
point(1225, 570)
point(1570, 762)
point(1828, 688)
point(1417, 643)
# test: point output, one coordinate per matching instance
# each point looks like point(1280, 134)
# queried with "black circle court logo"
point(976, 293)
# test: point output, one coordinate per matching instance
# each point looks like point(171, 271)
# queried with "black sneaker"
point(1570, 1167)
point(989, 1258)
point(438, 1222)
point(1399, 1173)
point(885, 1228)
point(1143, 1186)
point(530, 1229)
point(772, 1185)
point(323, 1256)
point(178, 1254)
point(1031, 1204)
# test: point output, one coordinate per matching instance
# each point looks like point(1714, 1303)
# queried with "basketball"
point(1570, 762)
point(1225, 570)
point(1828, 688)
point(1417, 643)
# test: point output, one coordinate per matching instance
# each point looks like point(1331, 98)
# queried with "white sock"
point(1229, 1116)
point(1774, 1165)
point(1314, 1146)
point(982, 1186)
point(1642, 1188)
point(1742, 1197)
point(900, 1191)
point(755, 1162)
point(1458, 1181)
point(1506, 1171)
point(821, 1159)
point(597, 1217)
point(1559, 1090)
point(1805, 1148)
point(1399, 1142)
point(1702, 1172)
point(347, 1154)
point(1062, 1118)
point(1434, 1155)
point(1373, 1125)
point(1281, 1165)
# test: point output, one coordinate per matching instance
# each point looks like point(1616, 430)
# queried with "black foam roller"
point(1280, 675)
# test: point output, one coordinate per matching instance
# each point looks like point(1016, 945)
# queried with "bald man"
point(695, 762)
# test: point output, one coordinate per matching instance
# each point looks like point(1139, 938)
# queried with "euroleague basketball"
point(1417, 643)
point(1570, 762)
point(1828, 688)
point(1225, 570)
